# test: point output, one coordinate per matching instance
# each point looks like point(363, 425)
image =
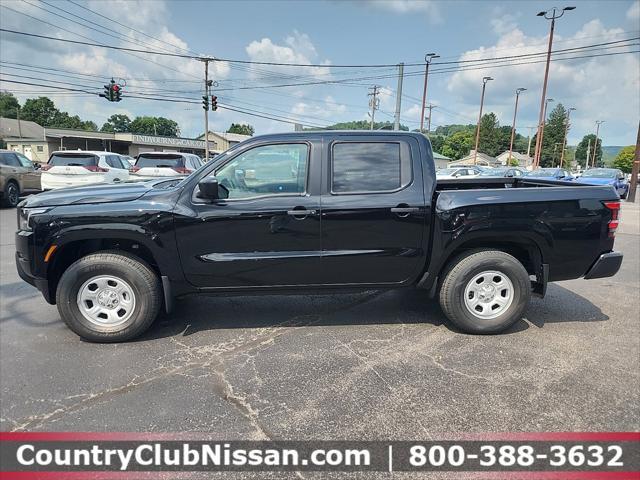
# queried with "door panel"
point(258, 237)
point(374, 237)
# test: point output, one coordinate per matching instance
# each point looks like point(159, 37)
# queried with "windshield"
point(159, 161)
point(446, 171)
point(495, 172)
point(73, 160)
point(600, 173)
point(543, 172)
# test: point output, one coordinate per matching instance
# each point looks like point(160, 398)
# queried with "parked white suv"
point(155, 165)
point(78, 167)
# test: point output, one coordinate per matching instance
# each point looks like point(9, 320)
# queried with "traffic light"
point(205, 102)
point(214, 103)
point(116, 92)
point(107, 92)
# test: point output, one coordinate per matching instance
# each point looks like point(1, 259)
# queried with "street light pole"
point(541, 128)
point(513, 127)
point(427, 58)
point(595, 147)
point(484, 85)
point(566, 132)
point(552, 15)
point(633, 184)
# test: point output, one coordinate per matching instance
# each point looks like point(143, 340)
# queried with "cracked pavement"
point(371, 365)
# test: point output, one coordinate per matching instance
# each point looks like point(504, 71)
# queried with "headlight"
point(26, 214)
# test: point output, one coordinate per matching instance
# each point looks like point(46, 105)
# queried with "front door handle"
point(300, 213)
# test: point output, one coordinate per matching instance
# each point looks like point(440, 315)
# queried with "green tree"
point(553, 138)
point(437, 142)
point(241, 128)
point(154, 126)
point(489, 135)
point(588, 142)
point(40, 110)
point(117, 123)
point(9, 105)
point(362, 125)
point(624, 159)
point(458, 145)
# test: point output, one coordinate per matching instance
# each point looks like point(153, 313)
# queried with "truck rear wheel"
point(109, 297)
point(485, 291)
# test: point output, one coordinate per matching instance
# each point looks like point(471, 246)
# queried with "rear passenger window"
point(369, 167)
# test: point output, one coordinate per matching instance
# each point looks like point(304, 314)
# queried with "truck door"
point(373, 210)
point(267, 233)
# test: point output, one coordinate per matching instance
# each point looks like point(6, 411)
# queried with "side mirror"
point(36, 166)
point(211, 189)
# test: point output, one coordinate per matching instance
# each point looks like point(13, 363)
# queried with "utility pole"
point(427, 58)
point(513, 127)
point(374, 103)
point(396, 122)
point(484, 85)
point(633, 184)
point(552, 15)
point(541, 129)
point(595, 147)
point(586, 161)
point(206, 111)
point(566, 132)
point(529, 140)
point(430, 107)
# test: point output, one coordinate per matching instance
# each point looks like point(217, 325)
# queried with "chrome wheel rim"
point(106, 301)
point(12, 194)
point(488, 294)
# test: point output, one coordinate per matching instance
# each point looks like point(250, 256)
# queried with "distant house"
point(441, 160)
point(482, 159)
point(219, 141)
point(523, 160)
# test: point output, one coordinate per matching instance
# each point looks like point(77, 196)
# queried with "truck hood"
point(90, 194)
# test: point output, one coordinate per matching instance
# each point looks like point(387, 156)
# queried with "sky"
point(327, 34)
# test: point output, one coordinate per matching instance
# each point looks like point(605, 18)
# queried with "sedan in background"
point(606, 176)
point(457, 172)
point(158, 165)
point(503, 172)
point(551, 174)
point(76, 168)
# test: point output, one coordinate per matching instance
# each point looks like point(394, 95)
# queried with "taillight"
point(95, 168)
point(182, 170)
point(134, 169)
point(614, 207)
point(45, 167)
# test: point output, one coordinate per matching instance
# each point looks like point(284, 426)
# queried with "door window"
point(9, 159)
point(266, 170)
point(113, 161)
point(24, 161)
point(368, 167)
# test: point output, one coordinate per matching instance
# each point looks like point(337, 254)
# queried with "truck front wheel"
point(485, 291)
point(109, 297)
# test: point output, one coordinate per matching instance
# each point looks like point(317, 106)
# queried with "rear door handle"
point(300, 214)
point(404, 211)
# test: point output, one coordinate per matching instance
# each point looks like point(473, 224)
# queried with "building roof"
point(9, 128)
point(439, 156)
point(521, 157)
point(482, 159)
point(230, 137)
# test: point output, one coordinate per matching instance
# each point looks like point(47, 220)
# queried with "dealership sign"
point(168, 141)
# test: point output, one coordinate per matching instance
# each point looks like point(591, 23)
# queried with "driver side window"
point(266, 170)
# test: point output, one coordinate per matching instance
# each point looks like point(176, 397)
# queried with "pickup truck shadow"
point(409, 306)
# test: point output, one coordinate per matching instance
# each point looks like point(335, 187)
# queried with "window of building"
point(369, 167)
point(39, 148)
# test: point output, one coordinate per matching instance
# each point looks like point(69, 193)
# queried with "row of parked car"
point(593, 176)
point(19, 175)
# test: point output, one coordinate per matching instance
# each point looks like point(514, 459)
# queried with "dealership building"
point(37, 142)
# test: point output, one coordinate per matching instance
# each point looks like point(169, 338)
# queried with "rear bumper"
point(607, 265)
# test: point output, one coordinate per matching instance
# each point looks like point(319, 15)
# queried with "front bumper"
point(24, 250)
point(607, 265)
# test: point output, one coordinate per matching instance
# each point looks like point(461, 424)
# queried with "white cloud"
point(580, 83)
point(428, 7)
point(315, 112)
point(633, 13)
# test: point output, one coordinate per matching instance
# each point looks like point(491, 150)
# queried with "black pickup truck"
point(312, 211)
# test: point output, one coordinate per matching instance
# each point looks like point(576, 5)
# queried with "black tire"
point(624, 195)
point(458, 276)
point(11, 196)
point(142, 280)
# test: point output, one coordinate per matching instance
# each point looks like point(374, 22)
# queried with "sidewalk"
point(630, 219)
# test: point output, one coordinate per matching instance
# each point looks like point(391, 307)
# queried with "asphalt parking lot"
point(359, 366)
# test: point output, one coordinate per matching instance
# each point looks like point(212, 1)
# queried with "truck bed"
point(500, 182)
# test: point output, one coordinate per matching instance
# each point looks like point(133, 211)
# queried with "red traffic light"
point(115, 88)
